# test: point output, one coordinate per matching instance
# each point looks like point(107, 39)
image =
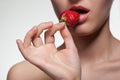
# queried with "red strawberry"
point(70, 17)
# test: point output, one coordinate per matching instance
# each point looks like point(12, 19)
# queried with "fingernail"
point(17, 40)
point(34, 28)
point(62, 23)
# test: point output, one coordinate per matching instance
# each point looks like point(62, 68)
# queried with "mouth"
point(83, 13)
point(80, 9)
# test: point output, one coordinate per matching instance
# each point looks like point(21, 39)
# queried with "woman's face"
point(94, 13)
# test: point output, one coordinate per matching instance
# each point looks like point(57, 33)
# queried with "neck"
point(96, 47)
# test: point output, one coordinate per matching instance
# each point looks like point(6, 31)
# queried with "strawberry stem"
point(63, 19)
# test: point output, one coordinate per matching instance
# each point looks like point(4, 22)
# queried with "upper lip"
point(80, 9)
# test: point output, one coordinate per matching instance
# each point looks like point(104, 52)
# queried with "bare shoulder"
point(26, 71)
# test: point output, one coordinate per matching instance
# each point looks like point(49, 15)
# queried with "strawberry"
point(70, 17)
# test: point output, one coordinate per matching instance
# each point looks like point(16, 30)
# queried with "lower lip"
point(83, 18)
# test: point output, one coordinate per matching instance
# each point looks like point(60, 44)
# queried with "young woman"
point(89, 52)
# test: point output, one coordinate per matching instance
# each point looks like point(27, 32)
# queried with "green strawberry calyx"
point(63, 19)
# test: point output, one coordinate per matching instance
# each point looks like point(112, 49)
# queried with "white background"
point(18, 16)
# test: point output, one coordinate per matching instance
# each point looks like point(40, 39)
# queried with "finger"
point(30, 34)
point(37, 41)
point(67, 37)
point(20, 46)
point(49, 34)
point(44, 26)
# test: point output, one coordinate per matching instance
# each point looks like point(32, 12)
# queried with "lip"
point(83, 18)
point(83, 14)
point(75, 8)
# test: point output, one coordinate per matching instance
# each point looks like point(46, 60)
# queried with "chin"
point(83, 31)
point(81, 34)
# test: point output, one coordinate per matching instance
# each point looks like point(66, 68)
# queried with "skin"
point(90, 52)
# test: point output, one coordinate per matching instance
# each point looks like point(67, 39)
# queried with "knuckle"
point(41, 25)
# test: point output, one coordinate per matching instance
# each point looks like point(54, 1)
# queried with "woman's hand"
point(58, 64)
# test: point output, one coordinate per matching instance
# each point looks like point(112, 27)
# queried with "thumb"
point(67, 37)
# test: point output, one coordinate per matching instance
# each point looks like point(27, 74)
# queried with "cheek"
point(96, 20)
point(101, 11)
